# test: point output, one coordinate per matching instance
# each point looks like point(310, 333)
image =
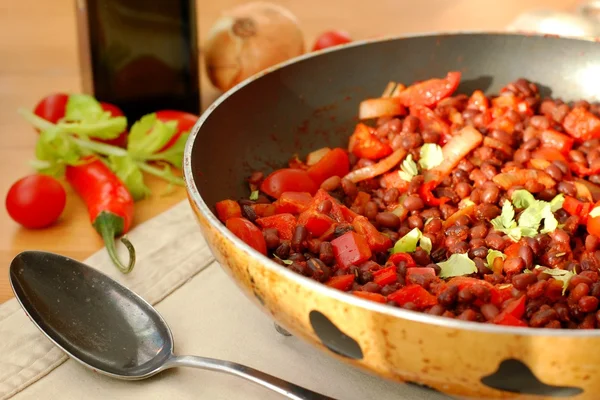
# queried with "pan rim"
point(320, 288)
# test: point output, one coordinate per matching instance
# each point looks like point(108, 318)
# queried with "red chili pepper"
point(109, 204)
point(428, 197)
point(397, 257)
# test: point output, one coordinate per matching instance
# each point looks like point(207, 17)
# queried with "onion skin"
point(248, 39)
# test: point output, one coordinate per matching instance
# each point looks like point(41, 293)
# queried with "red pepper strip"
point(341, 282)
point(109, 204)
point(379, 298)
point(419, 271)
point(413, 294)
point(428, 197)
point(385, 276)
point(576, 207)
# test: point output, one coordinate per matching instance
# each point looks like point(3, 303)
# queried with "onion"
point(249, 38)
point(592, 187)
point(506, 180)
point(380, 107)
point(379, 168)
point(315, 156)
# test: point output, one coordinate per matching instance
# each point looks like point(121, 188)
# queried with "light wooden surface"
point(38, 55)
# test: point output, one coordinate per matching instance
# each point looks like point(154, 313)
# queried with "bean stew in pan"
point(474, 207)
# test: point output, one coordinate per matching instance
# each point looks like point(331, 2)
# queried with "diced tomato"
point(508, 101)
point(508, 320)
point(248, 232)
point(429, 92)
point(393, 180)
point(501, 294)
point(549, 154)
point(478, 101)
point(315, 222)
point(288, 180)
point(512, 250)
point(503, 123)
point(228, 209)
point(341, 282)
point(264, 210)
point(578, 208)
point(334, 163)
point(397, 257)
point(377, 241)
point(415, 294)
point(429, 120)
point(428, 197)
point(379, 298)
point(364, 144)
point(516, 307)
point(582, 124)
point(556, 140)
point(284, 223)
point(348, 214)
point(350, 249)
point(385, 276)
point(293, 202)
point(593, 223)
point(419, 271)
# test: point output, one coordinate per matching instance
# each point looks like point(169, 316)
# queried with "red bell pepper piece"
point(579, 208)
point(508, 320)
point(478, 101)
point(315, 222)
point(420, 271)
point(512, 250)
point(293, 202)
point(582, 124)
point(548, 154)
point(350, 249)
point(248, 232)
point(364, 144)
point(379, 298)
point(397, 257)
point(361, 199)
point(415, 294)
point(556, 140)
point(334, 163)
point(516, 307)
point(429, 92)
point(341, 282)
point(284, 223)
point(428, 197)
point(393, 180)
point(348, 214)
point(264, 210)
point(377, 241)
point(500, 294)
point(228, 209)
point(385, 276)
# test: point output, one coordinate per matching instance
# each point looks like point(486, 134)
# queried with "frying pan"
point(311, 102)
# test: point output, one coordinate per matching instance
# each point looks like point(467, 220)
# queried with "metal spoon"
point(108, 328)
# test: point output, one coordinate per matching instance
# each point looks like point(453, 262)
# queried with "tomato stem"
point(108, 226)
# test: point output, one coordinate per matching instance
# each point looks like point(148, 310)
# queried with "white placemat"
point(208, 316)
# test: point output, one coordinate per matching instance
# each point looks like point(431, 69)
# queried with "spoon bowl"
point(107, 327)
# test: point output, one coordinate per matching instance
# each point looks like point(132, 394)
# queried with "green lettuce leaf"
point(557, 202)
point(457, 265)
point(130, 174)
point(149, 135)
point(408, 169)
point(54, 150)
point(425, 244)
point(522, 198)
point(430, 156)
point(174, 154)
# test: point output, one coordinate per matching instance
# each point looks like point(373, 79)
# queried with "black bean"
point(413, 203)
point(283, 251)
point(300, 234)
point(324, 206)
point(326, 253)
point(342, 228)
point(526, 254)
point(371, 210)
point(349, 187)
point(300, 268)
point(567, 188)
point(449, 296)
point(478, 252)
point(271, 238)
point(388, 220)
point(249, 213)
point(391, 196)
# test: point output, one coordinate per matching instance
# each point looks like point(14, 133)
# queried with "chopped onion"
point(315, 156)
point(399, 88)
point(520, 177)
point(539, 163)
point(389, 89)
point(457, 148)
point(498, 145)
point(469, 211)
point(380, 107)
point(376, 169)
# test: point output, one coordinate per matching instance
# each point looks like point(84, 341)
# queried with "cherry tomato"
point(330, 39)
point(36, 201)
point(185, 122)
point(248, 232)
point(593, 222)
point(364, 144)
point(288, 180)
point(52, 107)
point(334, 163)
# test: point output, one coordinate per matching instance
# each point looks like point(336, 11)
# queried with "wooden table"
point(38, 55)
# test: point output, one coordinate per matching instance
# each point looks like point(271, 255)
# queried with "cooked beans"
point(327, 241)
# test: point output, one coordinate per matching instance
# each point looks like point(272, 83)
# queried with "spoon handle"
point(285, 388)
